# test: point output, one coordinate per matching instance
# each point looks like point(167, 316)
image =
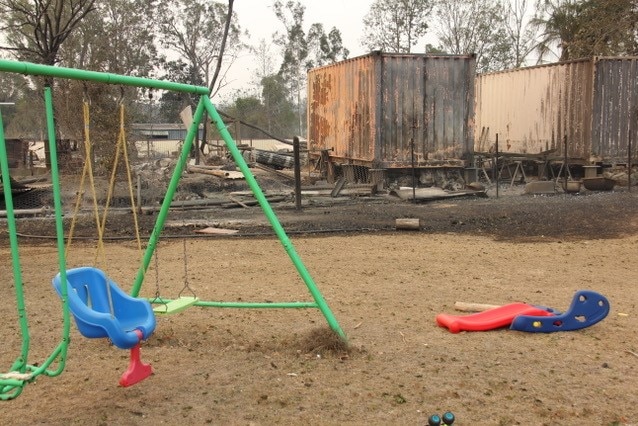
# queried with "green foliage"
point(172, 103)
point(280, 112)
point(272, 115)
point(302, 52)
point(587, 28)
point(119, 37)
point(293, 42)
point(478, 27)
point(20, 119)
point(434, 49)
point(396, 25)
point(324, 48)
point(559, 22)
point(193, 29)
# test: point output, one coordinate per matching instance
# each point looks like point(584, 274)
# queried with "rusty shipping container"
point(589, 103)
point(383, 110)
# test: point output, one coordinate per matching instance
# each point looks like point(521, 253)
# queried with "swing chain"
point(186, 284)
point(155, 264)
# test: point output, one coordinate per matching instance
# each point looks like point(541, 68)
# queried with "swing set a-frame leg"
point(206, 106)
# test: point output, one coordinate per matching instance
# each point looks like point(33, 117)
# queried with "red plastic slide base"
point(137, 370)
point(490, 319)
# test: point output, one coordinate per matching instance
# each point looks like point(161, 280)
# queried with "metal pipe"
point(9, 388)
point(102, 77)
point(59, 232)
point(254, 305)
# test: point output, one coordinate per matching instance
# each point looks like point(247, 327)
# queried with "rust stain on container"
point(377, 109)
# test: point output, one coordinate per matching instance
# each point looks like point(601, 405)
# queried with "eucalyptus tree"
point(324, 48)
point(281, 117)
point(119, 37)
point(265, 62)
point(521, 33)
point(20, 116)
point(303, 51)
point(396, 25)
point(36, 30)
point(197, 33)
point(475, 27)
point(571, 29)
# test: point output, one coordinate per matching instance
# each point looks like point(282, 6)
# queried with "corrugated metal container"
point(368, 110)
point(586, 102)
point(615, 111)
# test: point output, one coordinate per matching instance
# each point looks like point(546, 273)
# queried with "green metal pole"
point(19, 364)
point(253, 305)
point(101, 77)
point(168, 198)
point(272, 218)
point(59, 231)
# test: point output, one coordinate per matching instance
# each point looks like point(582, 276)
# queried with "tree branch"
point(220, 57)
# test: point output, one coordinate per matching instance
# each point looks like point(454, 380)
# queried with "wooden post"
point(295, 148)
point(496, 172)
point(408, 224)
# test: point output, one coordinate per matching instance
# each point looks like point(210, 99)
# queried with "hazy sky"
point(258, 18)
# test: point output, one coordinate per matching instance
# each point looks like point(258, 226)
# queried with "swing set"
point(100, 308)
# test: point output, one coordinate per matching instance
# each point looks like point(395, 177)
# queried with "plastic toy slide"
point(492, 318)
point(587, 308)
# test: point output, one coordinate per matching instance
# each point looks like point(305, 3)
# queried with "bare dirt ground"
point(385, 287)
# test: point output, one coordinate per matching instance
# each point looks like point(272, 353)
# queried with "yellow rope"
point(87, 169)
point(122, 140)
point(121, 146)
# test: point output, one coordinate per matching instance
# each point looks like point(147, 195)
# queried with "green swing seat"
point(175, 306)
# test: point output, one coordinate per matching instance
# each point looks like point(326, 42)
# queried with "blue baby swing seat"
point(102, 309)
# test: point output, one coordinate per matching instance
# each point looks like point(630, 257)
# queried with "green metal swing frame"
point(21, 372)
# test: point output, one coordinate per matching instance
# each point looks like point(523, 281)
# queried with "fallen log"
point(363, 191)
point(226, 174)
point(45, 210)
point(197, 203)
point(429, 194)
point(249, 203)
point(408, 224)
point(249, 193)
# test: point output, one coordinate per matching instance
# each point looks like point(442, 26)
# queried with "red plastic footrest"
point(137, 370)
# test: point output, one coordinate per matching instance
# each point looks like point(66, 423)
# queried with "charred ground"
point(510, 216)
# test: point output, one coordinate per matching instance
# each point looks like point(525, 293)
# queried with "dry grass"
point(324, 341)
